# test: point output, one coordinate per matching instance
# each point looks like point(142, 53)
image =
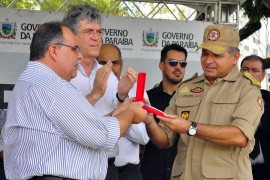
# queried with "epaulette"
point(189, 79)
point(252, 79)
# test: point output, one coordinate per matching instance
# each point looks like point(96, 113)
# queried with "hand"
point(123, 106)
point(126, 83)
point(134, 107)
point(175, 123)
point(149, 119)
point(139, 113)
point(100, 83)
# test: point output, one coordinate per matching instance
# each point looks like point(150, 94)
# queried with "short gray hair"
point(233, 50)
point(76, 14)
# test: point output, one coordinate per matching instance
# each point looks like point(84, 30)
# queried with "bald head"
point(110, 52)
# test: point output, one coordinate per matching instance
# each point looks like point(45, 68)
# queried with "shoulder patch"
point(252, 79)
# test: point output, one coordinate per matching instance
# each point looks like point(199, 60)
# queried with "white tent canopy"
point(217, 11)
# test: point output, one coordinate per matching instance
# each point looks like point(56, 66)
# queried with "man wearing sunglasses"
point(157, 163)
point(215, 115)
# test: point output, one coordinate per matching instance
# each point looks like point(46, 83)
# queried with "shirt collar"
point(39, 66)
point(160, 89)
point(232, 76)
point(95, 67)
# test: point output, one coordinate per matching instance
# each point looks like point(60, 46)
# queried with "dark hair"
point(254, 58)
point(77, 13)
point(175, 47)
point(47, 34)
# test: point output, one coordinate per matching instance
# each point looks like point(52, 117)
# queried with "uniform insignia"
point(252, 79)
point(213, 35)
point(196, 90)
point(185, 114)
point(259, 100)
point(184, 89)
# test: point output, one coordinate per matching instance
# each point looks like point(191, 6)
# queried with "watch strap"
point(120, 100)
point(192, 127)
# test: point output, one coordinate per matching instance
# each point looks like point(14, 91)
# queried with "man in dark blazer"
point(260, 156)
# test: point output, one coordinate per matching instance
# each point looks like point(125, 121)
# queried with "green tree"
point(256, 10)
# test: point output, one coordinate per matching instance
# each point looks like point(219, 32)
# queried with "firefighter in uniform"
point(215, 114)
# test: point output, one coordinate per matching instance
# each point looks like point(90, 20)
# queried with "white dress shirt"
point(3, 115)
point(259, 159)
point(108, 102)
point(129, 145)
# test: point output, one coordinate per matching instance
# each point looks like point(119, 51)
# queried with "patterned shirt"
point(52, 129)
point(108, 102)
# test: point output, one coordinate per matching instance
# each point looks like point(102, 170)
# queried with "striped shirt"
point(51, 129)
point(108, 102)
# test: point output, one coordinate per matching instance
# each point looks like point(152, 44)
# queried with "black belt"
point(123, 168)
point(111, 161)
point(49, 177)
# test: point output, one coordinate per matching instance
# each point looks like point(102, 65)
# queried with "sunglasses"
point(174, 62)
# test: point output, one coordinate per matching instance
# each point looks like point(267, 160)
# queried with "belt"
point(111, 161)
point(123, 168)
point(49, 177)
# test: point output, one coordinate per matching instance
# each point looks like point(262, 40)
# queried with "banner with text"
point(137, 38)
point(140, 41)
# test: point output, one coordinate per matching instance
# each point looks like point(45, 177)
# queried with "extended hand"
point(139, 113)
point(175, 123)
point(123, 106)
point(132, 110)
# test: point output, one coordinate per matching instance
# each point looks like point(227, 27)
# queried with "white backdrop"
point(140, 41)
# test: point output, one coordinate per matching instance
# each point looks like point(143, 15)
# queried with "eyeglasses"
point(74, 48)
point(174, 62)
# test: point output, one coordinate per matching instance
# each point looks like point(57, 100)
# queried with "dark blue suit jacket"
point(263, 132)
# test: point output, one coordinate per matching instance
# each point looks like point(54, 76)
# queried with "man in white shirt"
point(129, 145)
point(97, 83)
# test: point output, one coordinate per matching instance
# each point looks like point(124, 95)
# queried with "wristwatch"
point(192, 129)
